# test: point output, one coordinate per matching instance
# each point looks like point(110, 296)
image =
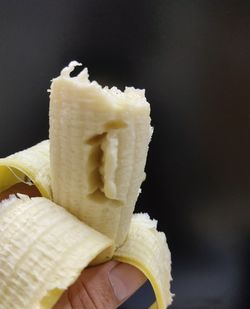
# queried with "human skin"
point(105, 286)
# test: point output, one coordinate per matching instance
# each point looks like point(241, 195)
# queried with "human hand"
point(104, 286)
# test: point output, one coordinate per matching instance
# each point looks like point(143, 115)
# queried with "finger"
point(78, 297)
point(21, 187)
point(104, 286)
point(125, 280)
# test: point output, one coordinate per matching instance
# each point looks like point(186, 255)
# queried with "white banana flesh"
point(98, 147)
point(99, 140)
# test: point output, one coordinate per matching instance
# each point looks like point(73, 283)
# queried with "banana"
point(98, 147)
point(93, 167)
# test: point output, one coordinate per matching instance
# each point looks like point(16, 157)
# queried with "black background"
point(193, 59)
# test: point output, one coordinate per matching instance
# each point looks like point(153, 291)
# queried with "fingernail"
point(125, 280)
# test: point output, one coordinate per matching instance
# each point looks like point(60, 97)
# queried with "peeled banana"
point(98, 147)
point(93, 167)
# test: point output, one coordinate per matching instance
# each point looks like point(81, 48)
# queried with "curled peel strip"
point(44, 249)
point(29, 165)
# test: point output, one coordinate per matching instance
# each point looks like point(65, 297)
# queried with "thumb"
point(103, 286)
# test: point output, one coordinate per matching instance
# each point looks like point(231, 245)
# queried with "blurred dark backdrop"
point(193, 58)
